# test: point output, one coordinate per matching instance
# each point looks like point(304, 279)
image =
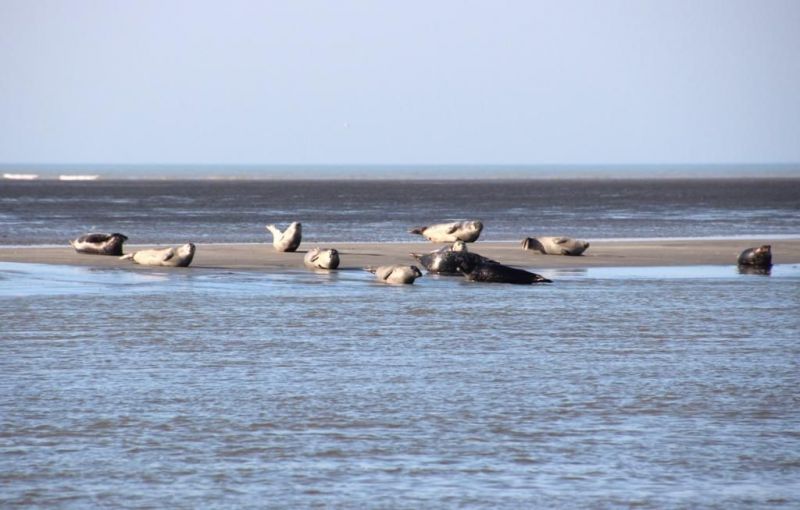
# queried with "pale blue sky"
point(337, 82)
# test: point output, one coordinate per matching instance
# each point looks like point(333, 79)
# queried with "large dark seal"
point(289, 239)
point(171, 257)
point(494, 272)
point(450, 260)
point(100, 244)
point(555, 245)
point(756, 258)
point(467, 231)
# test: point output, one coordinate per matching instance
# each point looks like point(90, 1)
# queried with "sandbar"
point(604, 253)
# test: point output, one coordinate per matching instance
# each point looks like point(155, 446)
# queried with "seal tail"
point(371, 269)
point(416, 256)
point(128, 256)
point(417, 230)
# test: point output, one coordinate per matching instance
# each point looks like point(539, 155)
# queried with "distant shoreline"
point(357, 255)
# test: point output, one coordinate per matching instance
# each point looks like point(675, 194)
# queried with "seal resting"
point(318, 258)
point(287, 240)
point(100, 244)
point(494, 272)
point(555, 245)
point(172, 257)
point(467, 231)
point(395, 274)
point(756, 257)
point(448, 259)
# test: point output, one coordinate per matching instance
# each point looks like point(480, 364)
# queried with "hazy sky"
point(527, 82)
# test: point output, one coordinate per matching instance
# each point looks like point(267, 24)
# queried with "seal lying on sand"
point(100, 244)
point(447, 260)
point(289, 240)
point(318, 258)
point(467, 231)
point(756, 257)
point(555, 245)
point(395, 274)
point(173, 257)
point(495, 272)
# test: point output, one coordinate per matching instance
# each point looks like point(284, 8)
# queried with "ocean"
point(173, 212)
point(657, 387)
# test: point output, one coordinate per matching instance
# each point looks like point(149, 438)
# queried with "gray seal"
point(494, 272)
point(449, 260)
point(555, 245)
point(395, 274)
point(170, 257)
point(318, 258)
point(467, 231)
point(100, 244)
point(288, 240)
point(760, 257)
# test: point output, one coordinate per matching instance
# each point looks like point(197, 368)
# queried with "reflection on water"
point(649, 387)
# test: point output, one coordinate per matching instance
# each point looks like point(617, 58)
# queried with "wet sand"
point(358, 255)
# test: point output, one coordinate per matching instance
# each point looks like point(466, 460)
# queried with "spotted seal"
point(100, 244)
point(395, 274)
point(317, 258)
point(171, 257)
point(467, 231)
point(287, 240)
point(555, 245)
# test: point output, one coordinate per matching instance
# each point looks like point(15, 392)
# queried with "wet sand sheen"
point(357, 255)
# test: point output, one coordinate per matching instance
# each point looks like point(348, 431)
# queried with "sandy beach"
point(358, 255)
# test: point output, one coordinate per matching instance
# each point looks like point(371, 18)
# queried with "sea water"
point(649, 387)
point(175, 212)
point(666, 387)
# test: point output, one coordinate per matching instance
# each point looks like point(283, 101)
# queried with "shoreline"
point(601, 253)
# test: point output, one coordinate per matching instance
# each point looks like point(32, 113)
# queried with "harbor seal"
point(317, 258)
point(756, 257)
point(287, 240)
point(395, 274)
point(171, 257)
point(467, 231)
point(555, 245)
point(100, 244)
point(449, 259)
point(494, 272)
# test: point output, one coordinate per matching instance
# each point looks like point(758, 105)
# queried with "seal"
point(395, 274)
point(756, 257)
point(494, 272)
point(449, 259)
point(171, 257)
point(467, 231)
point(100, 244)
point(555, 245)
point(317, 258)
point(287, 240)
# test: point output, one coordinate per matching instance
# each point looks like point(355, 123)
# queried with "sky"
point(412, 82)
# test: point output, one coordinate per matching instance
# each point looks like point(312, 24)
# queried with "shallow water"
point(651, 387)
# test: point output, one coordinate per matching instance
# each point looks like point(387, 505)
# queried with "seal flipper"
point(417, 230)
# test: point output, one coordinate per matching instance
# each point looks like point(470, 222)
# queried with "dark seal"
point(756, 260)
point(756, 257)
point(494, 272)
point(100, 244)
point(451, 260)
